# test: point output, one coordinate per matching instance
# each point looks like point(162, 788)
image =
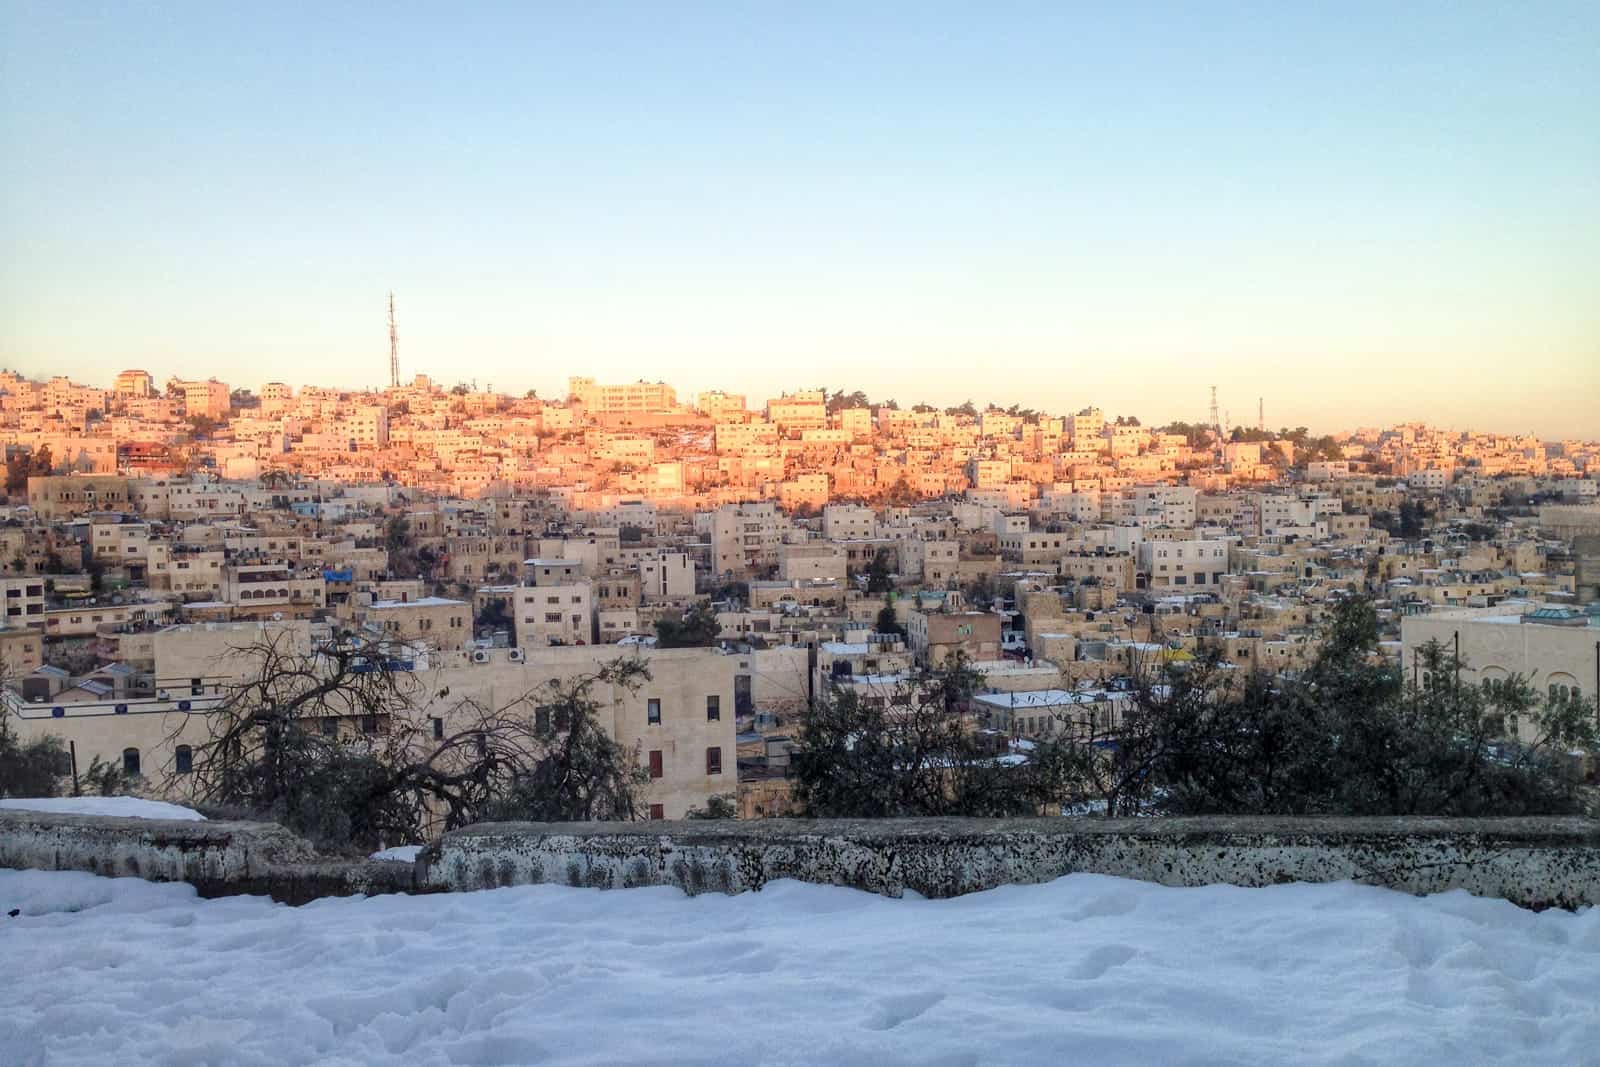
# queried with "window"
point(330, 726)
point(438, 729)
point(130, 762)
point(657, 812)
point(197, 687)
point(183, 759)
point(552, 616)
point(714, 708)
point(541, 720)
point(714, 760)
point(655, 763)
point(369, 724)
point(653, 711)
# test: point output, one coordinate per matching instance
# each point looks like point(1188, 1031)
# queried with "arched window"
point(183, 759)
point(130, 762)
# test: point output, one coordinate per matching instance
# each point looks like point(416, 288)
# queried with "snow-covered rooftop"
point(1043, 698)
point(420, 602)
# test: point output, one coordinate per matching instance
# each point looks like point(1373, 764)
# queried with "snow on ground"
point(126, 807)
point(400, 853)
point(1087, 969)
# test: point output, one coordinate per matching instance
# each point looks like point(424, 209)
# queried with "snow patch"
point(400, 853)
point(121, 807)
point(1085, 969)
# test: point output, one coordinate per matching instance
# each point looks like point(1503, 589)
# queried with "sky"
point(1354, 213)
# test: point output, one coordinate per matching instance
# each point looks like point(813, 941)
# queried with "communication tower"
point(394, 347)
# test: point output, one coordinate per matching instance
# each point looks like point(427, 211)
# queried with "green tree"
point(1412, 515)
point(696, 628)
point(842, 401)
point(24, 465)
point(1349, 735)
point(494, 615)
point(915, 752)
point(574, 771)
point(879, 577)
point(33, 769)
point(900, 493)
point(887, 622)
point(718, 806)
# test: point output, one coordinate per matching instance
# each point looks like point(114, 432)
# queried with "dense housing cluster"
point(756, 560)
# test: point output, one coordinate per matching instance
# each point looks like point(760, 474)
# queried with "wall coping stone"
point(1534, 862)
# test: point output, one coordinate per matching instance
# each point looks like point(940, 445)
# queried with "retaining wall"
point(1533, 862)
point(217, 858)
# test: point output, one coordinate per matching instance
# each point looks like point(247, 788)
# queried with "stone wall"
point(1533, 862)
point(217, 858)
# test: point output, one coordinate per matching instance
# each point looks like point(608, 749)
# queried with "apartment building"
point(803, 410)
point(209, 398)
point(680, 722)
point(848, 522)
point(933, 637)
point(1555, 649)
point(134, 383)
point(549, 615)
point(437, 623)
point(633, 398)
point(811, 561)
point(1174, 565)
point(720, 406)
point(933, 563)
point(745, 537)
point(24, 600)
point(55, 497)
point(666, 576)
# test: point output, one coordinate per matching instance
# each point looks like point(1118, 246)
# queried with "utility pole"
point(1458, 665)
point(394, 347)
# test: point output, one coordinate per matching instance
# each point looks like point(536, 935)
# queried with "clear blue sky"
point(1362, 212)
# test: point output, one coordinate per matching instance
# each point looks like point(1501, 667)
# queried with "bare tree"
point(344, 743)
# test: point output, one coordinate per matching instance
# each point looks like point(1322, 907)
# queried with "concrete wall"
point(1532, 862)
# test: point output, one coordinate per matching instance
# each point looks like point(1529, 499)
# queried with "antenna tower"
point(394, 347)
point(1216, 417)
point(1261, 413)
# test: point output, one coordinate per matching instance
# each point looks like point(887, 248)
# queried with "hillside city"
point(754, 556)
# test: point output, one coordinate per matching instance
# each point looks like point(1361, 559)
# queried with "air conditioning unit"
point(163, 695)
point(517, 655)
point(480, 656)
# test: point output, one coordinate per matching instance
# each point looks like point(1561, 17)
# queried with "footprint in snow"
point(892, 1011)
